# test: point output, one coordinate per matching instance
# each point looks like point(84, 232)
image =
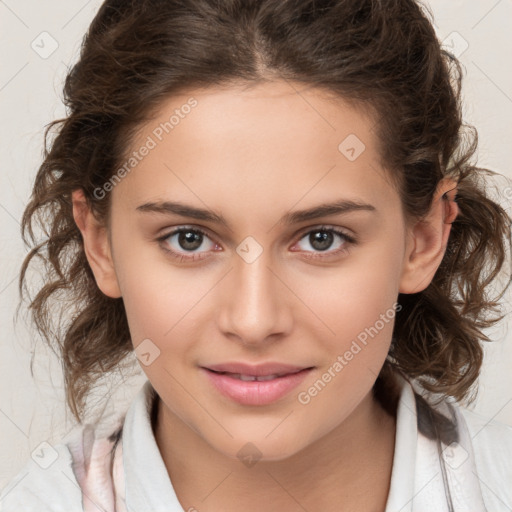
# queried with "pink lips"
point(280, 379)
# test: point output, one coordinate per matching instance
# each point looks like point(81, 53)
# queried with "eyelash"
point(348, 240)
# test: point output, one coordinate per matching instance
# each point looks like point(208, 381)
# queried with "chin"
point(260, 447)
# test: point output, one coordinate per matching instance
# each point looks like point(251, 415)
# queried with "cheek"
point(164, 306)
point(352, 298)
point(359, 310)
point(155, 294)
point(357, 305)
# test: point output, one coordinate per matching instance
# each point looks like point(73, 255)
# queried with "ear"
point(96, 245)
point(427, 239)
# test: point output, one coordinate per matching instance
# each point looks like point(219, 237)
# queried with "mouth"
point(260, 389)
point(258, 378)
point(269, 369)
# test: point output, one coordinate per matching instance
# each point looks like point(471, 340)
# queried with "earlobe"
point(96, 246)
point(428, 238)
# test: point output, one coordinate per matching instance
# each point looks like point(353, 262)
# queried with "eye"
point(183, 243)
point(323, 238)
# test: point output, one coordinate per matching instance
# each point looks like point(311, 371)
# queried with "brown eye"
point(189, 240)
point(319, 241)
point(183, 243)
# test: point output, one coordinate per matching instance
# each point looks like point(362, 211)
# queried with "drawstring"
point(445, 478)
point(446, 484)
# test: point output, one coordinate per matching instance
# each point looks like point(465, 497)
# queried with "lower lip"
point(255, 392)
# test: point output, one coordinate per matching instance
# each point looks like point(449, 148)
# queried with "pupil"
point(189, 240)
point(321, 240)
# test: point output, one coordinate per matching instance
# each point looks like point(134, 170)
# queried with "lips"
point(255, 384)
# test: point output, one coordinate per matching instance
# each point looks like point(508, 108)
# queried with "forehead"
point(271, 143)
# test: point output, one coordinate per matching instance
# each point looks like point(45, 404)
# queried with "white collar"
point(147, 482)
point(426, 475)
point(433, 464)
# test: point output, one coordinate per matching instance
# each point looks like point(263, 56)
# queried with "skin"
point(253, 154)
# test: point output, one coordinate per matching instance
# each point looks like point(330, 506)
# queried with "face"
point(264, 284)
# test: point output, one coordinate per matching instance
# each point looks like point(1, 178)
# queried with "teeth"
point(252, 377)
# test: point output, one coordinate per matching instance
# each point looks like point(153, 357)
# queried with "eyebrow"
point(323, 210)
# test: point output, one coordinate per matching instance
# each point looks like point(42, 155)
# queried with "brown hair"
point(380, 55)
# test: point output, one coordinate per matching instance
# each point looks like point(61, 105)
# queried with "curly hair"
point(382, 56)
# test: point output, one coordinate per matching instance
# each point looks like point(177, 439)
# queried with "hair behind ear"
point(438, 331)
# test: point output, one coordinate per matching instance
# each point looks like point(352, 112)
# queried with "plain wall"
point(31, 75)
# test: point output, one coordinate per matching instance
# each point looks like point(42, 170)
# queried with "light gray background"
point(31, 407)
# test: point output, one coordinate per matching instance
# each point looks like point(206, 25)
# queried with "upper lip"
point(259, 370)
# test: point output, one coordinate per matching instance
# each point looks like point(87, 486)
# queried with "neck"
point(347, 469)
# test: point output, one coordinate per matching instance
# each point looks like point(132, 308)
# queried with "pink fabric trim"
point(101, 489)
point(118, 476)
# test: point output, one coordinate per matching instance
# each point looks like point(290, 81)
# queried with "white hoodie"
point(446, 459)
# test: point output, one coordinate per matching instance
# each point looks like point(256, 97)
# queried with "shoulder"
point(491, 440)
point(56, 478)
point(486, 430)
point(476, 451)
point(45, 484)
point(492, 446)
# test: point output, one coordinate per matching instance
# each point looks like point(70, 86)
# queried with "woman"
point(272, 204)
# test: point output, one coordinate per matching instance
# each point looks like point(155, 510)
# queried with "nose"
point(255, 304)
